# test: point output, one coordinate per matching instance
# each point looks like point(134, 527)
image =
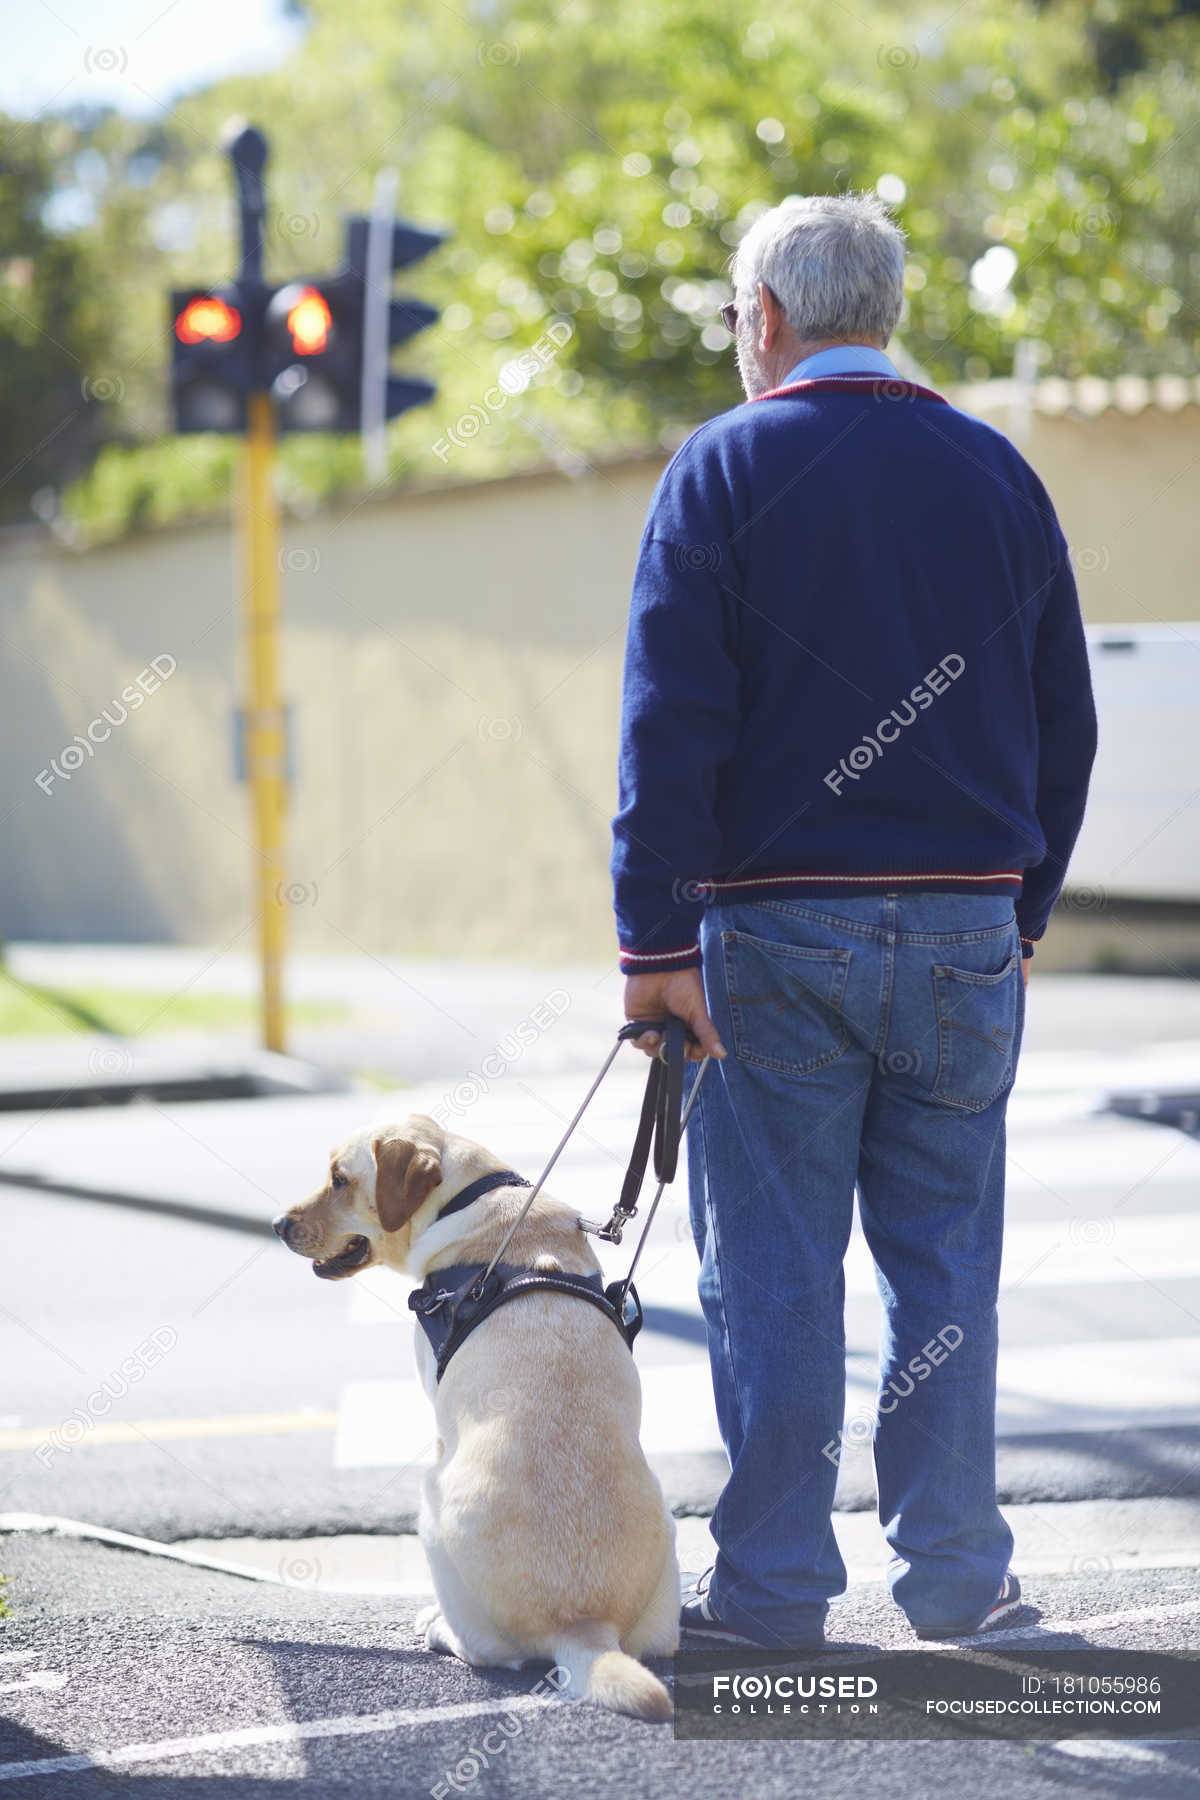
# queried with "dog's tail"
point(600, 1671)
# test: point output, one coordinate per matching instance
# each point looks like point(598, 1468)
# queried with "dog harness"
point(451, 1302)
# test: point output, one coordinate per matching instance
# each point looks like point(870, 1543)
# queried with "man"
point(857, 731)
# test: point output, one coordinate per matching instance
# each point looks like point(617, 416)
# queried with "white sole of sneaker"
point(993, 1619)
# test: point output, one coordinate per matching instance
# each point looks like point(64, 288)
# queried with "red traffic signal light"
point(211, 363)
point(207, 319)
point(310, 353)
point(308, 321)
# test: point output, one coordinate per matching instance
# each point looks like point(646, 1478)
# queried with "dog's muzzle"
point(355, 1253)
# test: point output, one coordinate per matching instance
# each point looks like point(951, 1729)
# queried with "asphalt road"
point(238, 1426)
point(264, 1403)
point(109, 1655)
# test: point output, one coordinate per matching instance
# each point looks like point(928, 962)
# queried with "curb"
point(261, 1075)
point(48, 1525)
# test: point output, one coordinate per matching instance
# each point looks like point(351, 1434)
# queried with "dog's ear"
point(406, 1173)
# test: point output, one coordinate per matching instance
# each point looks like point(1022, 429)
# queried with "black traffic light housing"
point(314, 337)
point(213, 332)
point(319, 345)
point(311, 354)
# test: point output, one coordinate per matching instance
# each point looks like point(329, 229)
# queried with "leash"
point(660, 1128)
point(663, 1122)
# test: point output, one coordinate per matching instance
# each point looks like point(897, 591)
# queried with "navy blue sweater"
point(855, 662)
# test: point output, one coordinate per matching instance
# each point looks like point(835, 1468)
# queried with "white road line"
point(35, 1678)
point(1111, 1621)
point(294, 1732)
point(1111, 1750)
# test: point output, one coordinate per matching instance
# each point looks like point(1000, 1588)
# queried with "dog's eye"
point(337, 1179)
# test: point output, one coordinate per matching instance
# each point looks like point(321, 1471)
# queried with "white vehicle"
point(1141, 834)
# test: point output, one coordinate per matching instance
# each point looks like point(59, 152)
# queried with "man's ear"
point(773, 319)
point(405, 1175)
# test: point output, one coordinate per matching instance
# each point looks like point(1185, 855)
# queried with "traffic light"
point(319, 346)
point(327, 341)
point(312, 354)
point(211, 359)
point(376, 247)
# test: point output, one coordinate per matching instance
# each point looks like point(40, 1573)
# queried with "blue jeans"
point(872, 1042)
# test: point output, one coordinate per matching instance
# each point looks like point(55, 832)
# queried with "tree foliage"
point(597, 161)
point(52, 328)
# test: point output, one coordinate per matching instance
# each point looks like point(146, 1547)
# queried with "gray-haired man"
point(857, 732)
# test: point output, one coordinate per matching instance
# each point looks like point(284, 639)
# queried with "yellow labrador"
point(546, 1532)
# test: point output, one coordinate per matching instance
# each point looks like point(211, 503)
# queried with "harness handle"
point(660, 1128)
point(659, 1121)
point(620, 1290)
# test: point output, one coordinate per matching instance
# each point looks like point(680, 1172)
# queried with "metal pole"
point(377, 291)
point(265, 723)
point(247, 149)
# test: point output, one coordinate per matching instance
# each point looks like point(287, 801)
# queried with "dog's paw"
point(425, 1618)
point(438, 1636)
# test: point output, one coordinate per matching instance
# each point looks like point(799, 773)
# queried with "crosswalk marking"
point(1058, 1252)
point(1062, 1387)
point(1059, 1150)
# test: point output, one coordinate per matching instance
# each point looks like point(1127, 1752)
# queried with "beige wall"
point(454, 659)
point(1124, 486)
point(454, 662)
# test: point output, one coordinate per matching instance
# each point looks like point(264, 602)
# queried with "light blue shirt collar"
point(843, 359)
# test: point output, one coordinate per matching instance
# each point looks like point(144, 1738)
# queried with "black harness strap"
point(451, 1302)
point(448, 1310)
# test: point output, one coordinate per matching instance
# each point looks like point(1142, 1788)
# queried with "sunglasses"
point(729, 313)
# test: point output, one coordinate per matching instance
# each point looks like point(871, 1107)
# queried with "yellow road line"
point(72, 1434)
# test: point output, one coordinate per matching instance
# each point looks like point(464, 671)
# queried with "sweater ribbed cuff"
point(660, 962)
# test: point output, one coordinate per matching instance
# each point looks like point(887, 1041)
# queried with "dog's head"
point(377, 1183)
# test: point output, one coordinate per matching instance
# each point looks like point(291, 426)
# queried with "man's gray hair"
point(835, 263)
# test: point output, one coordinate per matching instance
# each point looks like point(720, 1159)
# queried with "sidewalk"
point(1100, 1538)
point(412, 1020)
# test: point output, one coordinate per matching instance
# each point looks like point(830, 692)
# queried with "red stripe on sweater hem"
point(885, 875)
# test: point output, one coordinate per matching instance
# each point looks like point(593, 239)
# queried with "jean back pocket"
point(976, 1027)
point(785, 1002)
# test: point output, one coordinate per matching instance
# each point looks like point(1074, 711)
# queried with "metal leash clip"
point(660, 1127)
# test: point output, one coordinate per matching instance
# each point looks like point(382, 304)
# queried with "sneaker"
point(1003, 1606)
point(697, 1619)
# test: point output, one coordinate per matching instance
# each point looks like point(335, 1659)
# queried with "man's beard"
point(754, 378)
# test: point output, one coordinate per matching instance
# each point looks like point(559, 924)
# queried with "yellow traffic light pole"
point(265, 723)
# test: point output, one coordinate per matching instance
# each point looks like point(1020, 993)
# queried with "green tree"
point(53, 336)
point(597, 160)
